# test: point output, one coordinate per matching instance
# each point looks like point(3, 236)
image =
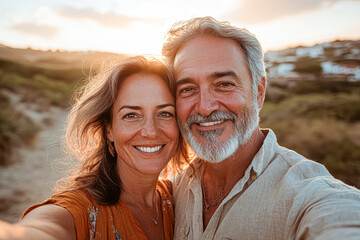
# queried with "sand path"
point(30, 178)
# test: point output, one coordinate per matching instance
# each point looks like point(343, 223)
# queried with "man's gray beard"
point(213, 150)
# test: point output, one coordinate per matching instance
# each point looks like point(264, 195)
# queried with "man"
point(243, 185)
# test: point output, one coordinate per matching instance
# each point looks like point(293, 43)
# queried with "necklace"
point(157, 211)
point(220, 194)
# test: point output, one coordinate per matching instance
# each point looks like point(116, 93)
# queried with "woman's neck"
point(139, 187)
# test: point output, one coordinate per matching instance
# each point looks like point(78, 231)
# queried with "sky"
point(139, 26)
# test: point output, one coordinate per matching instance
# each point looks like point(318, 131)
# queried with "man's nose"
point(207, 103)
point(150, 128)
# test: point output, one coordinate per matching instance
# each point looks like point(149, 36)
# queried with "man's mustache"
point(214, 116)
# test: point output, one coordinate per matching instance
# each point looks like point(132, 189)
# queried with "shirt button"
point(253, 177)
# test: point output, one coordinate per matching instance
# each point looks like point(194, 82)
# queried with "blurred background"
point(49, 48)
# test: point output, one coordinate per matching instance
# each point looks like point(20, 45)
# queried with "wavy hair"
point(183, 31)
point(86, 130)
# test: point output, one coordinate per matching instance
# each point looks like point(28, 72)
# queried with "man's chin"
point(213, 151)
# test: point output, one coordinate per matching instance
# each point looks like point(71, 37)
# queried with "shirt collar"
point(265, 154)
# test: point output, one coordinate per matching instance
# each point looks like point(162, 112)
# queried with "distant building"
point(352, 71)
point(314, 52)
point(281, 64)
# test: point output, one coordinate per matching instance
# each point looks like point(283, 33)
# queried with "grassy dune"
point(41, 86)
point(320, 124)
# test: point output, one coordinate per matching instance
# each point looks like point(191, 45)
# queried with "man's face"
point(215, 107)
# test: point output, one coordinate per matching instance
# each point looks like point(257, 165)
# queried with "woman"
point(123, 130)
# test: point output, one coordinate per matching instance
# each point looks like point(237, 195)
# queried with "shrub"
point(340, 106)
point(318, 126)
point(15, 129)
point(308, 65)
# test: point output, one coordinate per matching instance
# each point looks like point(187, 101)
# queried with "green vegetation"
point(322, 125)
point(51, 85)
point(68, 75)
point(340, 106)
point(15, 128)
point(347, 61)
point(308, 65)
point(41, 86)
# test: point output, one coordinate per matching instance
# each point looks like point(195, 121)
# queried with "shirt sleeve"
point(332, 213)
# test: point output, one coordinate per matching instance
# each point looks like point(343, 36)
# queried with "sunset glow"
point(137, 27)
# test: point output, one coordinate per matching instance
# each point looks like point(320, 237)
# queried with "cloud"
point(43, 31)
point(259, 11)
point(109, 19)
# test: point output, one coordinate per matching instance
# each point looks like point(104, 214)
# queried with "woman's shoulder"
point(73, 196)
point(75, 201)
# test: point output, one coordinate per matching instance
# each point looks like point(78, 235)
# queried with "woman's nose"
point(150, 129)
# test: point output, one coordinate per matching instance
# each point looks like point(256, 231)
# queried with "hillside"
point(55, 59)
point(313, 104)
point(43, 79)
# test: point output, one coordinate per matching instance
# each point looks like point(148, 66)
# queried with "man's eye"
point(226, 84)
point(185, 90)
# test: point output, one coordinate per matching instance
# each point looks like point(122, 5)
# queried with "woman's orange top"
point(96, 221)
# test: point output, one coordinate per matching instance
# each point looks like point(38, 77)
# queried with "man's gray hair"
point(183, 31)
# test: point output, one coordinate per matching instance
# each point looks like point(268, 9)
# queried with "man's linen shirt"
point(281, 196)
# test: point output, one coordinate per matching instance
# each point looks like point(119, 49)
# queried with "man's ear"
point(261, 92)
point(109, 133)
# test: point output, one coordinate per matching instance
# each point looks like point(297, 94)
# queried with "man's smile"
point(206, 124)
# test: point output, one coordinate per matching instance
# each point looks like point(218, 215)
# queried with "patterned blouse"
point(96, 221)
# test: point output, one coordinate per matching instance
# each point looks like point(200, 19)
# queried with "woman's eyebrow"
point(131, 107)
point(139, 108)
point(165, 105)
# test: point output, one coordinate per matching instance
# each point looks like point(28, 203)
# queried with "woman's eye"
point(130, 116)
point(166, 115)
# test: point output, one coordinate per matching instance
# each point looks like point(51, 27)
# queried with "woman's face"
point(143, 127)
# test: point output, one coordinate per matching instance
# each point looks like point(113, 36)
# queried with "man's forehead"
point(208, 53)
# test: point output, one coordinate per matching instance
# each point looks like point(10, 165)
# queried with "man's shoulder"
point(297, 162)
point(301, 171)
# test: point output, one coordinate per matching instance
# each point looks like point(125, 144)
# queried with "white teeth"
point(149, 149)
point(210, 123)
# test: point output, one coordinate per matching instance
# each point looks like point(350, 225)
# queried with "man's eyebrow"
point(214, 75)
point(183, 81)
point(223, 74)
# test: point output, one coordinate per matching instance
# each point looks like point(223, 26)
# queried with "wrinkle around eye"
point(226, 84)
point(186, 91)
point(166, 115)
point(130, 116)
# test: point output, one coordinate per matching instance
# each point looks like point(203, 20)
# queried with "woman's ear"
point(109, 133)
